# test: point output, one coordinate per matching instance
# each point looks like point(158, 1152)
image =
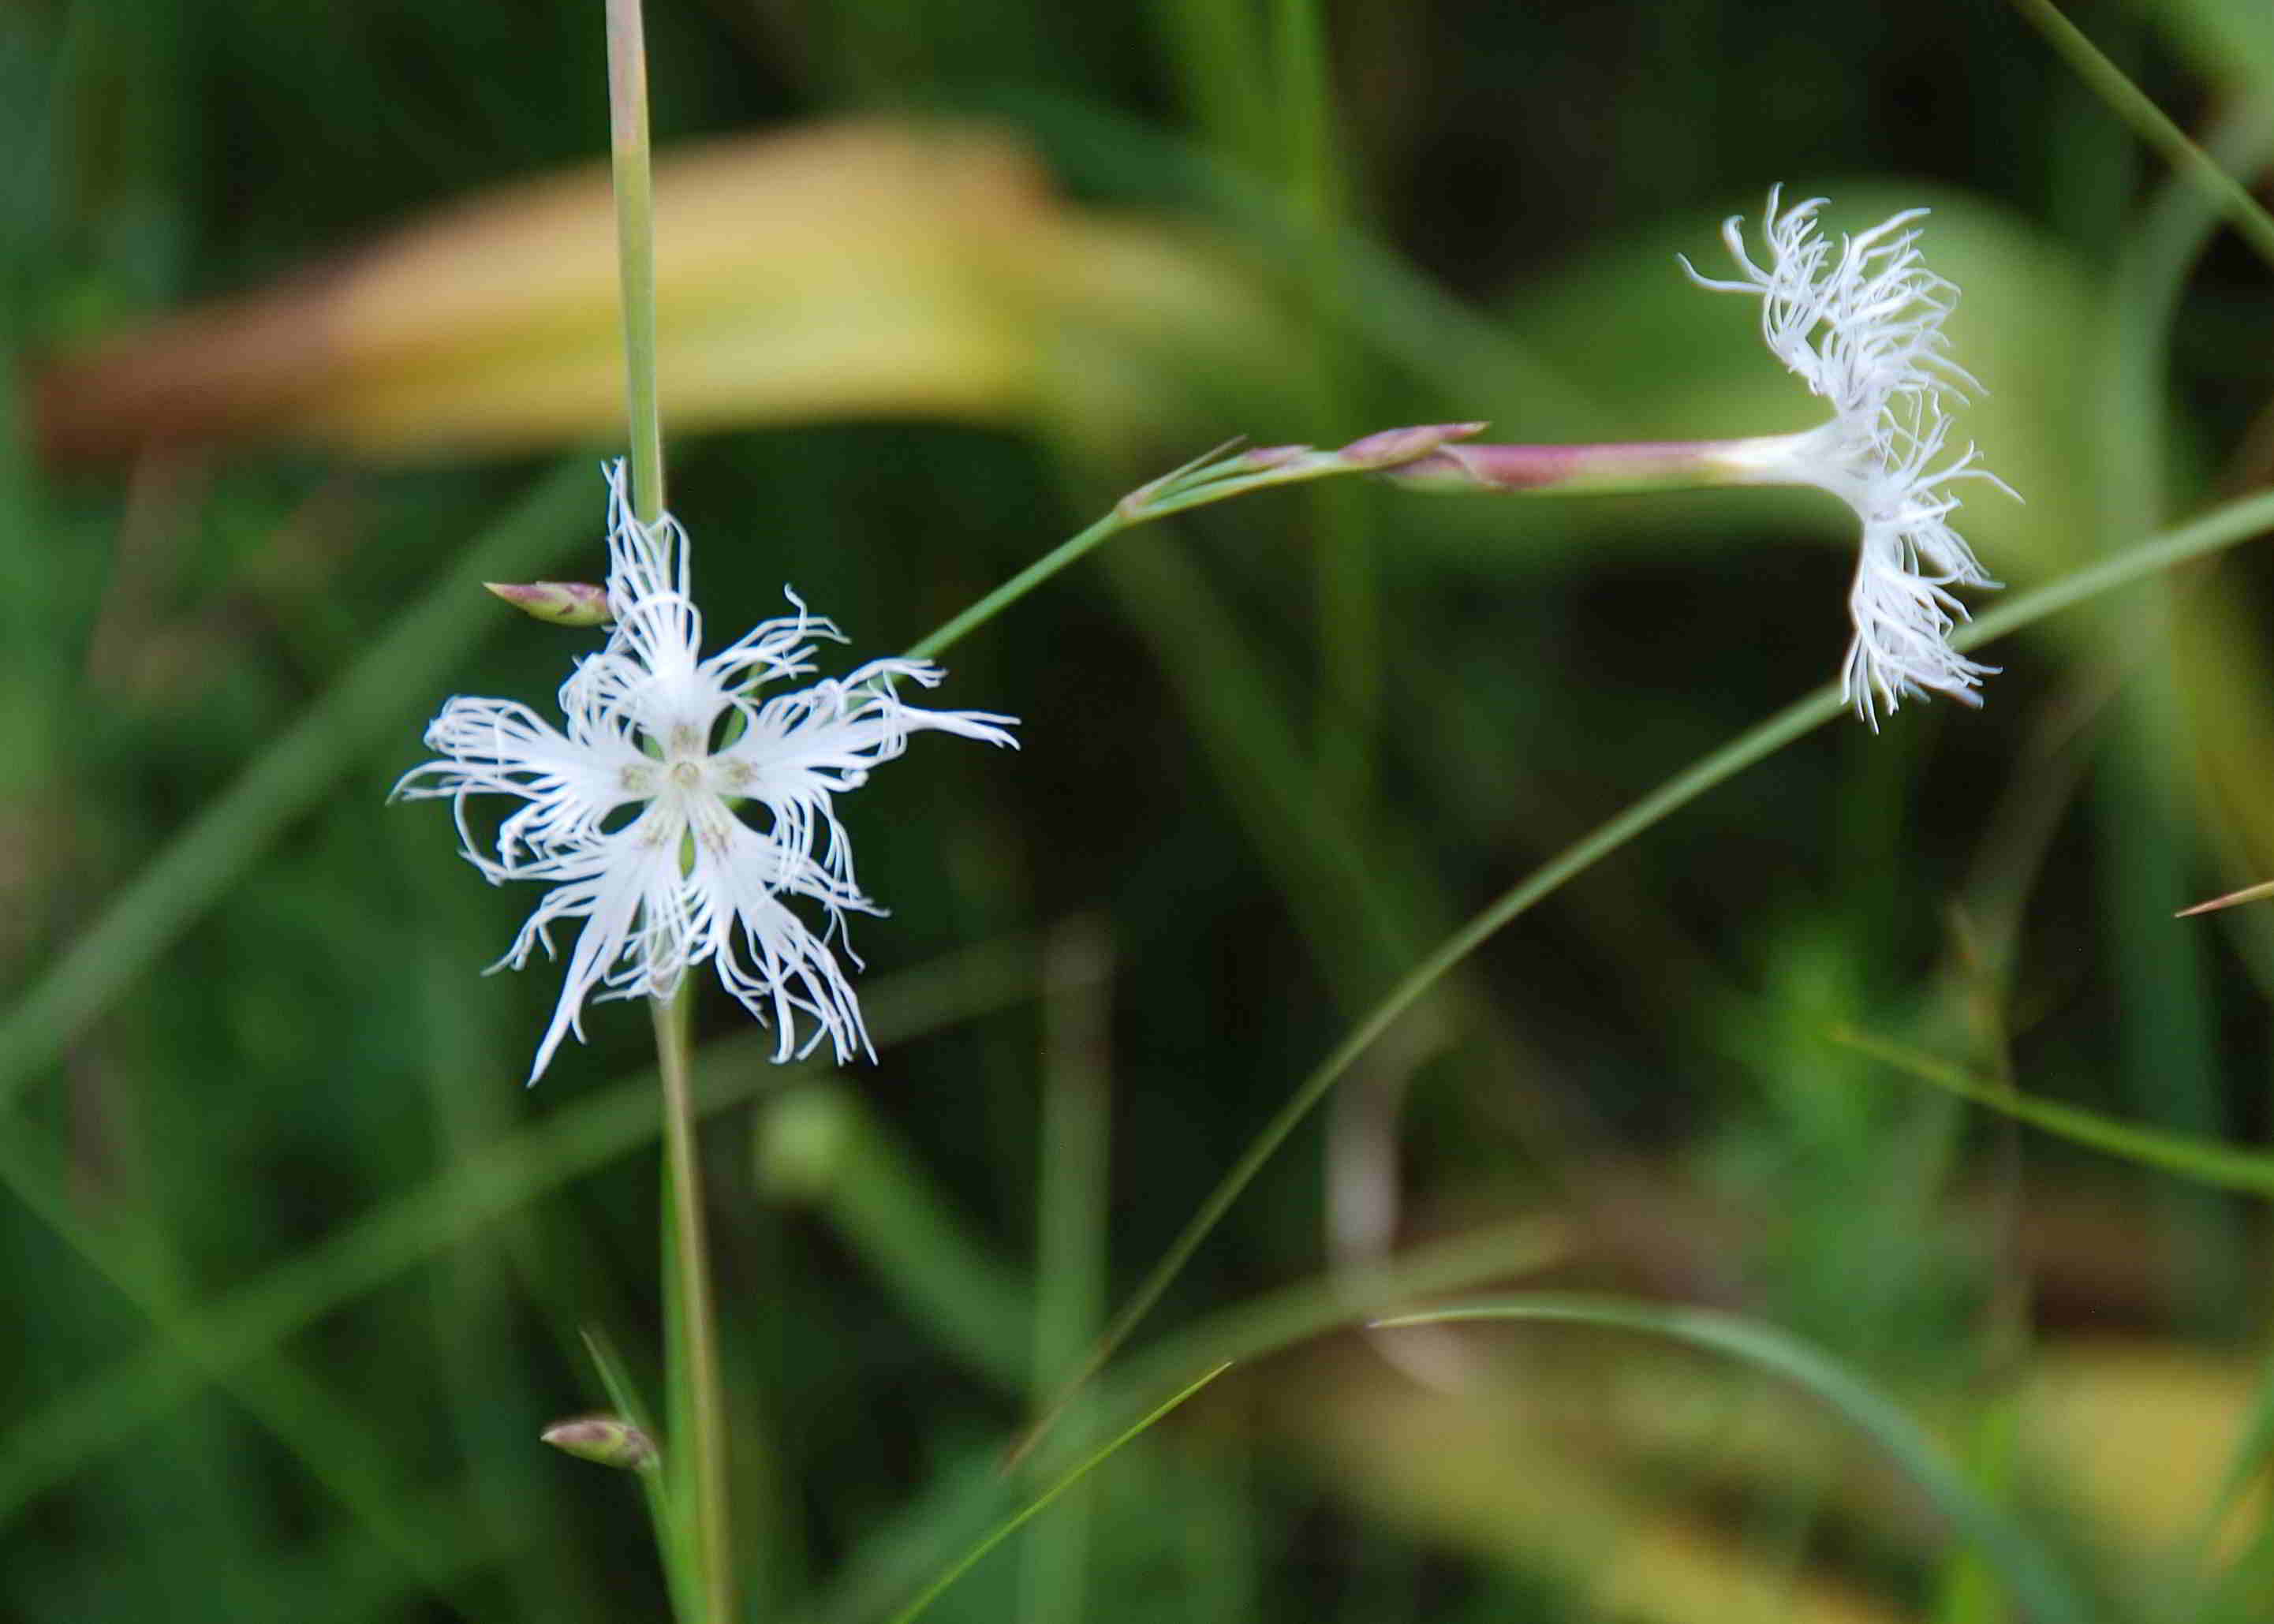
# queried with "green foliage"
point(301, 1272)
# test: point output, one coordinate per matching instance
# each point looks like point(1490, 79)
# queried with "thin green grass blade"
point(49, 1444)
point(1073, 1200)
point(385, 690)
point(300, 1414)
point(2205, 1161)
point(624, 1396)
point(1215, 476)
point(903, 1550)
point(1329, 879)
point(1268, 1323)
point(1041, 1502)
point(1314, 168)
point(824, 1144)
point(625, 1399)
point(2045, 1592)
point(2221, 528)
point(2132, 105)
point(106, 1410)
point(1273, 1321)
point(2164, 714)
point(1723, 764)
point(2224, 527)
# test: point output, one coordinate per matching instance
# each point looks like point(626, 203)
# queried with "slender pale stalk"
point(701, 1426)
point(635, 194)
point(1214, 477)
point(1427, 457)
point(1041, 1502)
point(1613, 466)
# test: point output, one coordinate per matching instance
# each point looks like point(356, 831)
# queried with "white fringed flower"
point(678, 815)
point(1862, 327)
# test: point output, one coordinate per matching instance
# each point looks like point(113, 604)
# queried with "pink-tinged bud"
point(1394, 448)
point(607, 1440)
point(1262, 459)
point(556, 603)
point(1644, 466)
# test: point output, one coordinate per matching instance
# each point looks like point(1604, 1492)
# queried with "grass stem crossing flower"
point(678, 815)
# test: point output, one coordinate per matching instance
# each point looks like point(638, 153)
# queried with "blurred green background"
point(298, 1270)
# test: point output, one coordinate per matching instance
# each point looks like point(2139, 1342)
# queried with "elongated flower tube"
point(1862, 327)
point(678, 815)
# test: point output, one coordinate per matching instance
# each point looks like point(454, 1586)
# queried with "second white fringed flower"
point(1861, 324)
point(1862, 327)
point(678, 815)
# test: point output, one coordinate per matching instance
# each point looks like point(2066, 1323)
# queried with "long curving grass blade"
point(2207, 1162)
point(2045, 1592)
point(1041, 1503)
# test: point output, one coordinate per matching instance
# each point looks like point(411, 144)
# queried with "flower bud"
point(556, 603)
point(607, 1440)
point(1392, 446)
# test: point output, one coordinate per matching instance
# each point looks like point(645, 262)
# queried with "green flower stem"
point(1017, 586)
point(1214, 477)
point(635, 194)
point(697, 1444)
point(1430, 457)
